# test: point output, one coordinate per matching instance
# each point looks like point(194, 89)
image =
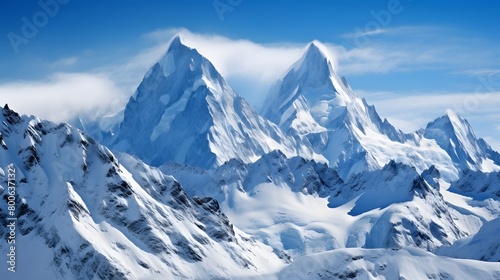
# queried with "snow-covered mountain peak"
point(455, 135)
point(179, 67)
point(311, 81)
point(315, 70)
point(314, 58)
point(312, 100)
point(452, 115)
point(176, 43)
point(179, 52)
point(184, 111)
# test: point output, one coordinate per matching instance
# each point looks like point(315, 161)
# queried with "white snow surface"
point(481, 246)
point(478, 185)
point(384, 264)
point(302, 207)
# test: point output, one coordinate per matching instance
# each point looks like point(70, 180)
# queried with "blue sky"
point(412, 59)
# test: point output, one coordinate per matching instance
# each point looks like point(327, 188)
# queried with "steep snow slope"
point(184, 111)
point(271, 200)
point(313, 102)
point(413, 212)
point(303, 207)
point(478, 185)
point(484, 245)
point(407, 263)
point(81, 214)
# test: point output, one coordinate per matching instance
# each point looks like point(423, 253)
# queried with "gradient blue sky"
point(425, 57)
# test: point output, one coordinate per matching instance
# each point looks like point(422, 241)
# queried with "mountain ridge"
point(313, 102)
point(86, 215)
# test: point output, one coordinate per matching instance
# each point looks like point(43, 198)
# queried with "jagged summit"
point(451, 118)
point(455, 135)
point(314, 58)
point(315, 70)
point(180, 65)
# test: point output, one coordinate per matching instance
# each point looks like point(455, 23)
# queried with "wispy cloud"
point(63, 96)
point(401, 30)
point(64, 62)
point(481, 72)
point(408, 48)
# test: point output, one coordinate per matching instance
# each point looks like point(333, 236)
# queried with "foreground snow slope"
point(484, 245)
point(406, 263)
point(83, 215)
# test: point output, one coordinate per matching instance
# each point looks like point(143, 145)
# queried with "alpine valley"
point(189, 181)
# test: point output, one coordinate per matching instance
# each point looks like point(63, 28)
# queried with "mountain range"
point(189, 181)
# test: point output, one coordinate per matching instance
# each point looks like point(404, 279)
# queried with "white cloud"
point(425, 106)
point(401, 30)
point(410, 48)
point(63, 96)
